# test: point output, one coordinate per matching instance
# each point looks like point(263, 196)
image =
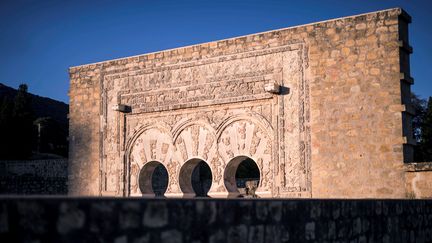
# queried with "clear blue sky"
point(40, 39)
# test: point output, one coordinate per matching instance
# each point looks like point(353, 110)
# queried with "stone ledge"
point(406, 78)
point(405, 46)
point(409, 140)
point(418, 166)
point(409, 109)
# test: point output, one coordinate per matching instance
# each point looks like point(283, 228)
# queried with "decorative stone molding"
point(334, 92)
point(272, 87)
point(121, 108)
point(195, 133)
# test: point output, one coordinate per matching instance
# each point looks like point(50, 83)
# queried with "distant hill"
point(42, 106)
point(48, 132)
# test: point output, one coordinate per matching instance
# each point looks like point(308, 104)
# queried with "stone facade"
point(323, 109)
point(419, 180)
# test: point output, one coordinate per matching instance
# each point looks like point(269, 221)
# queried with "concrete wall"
point(176, 220)
point(340, 128)
point(33, 176)
point(419, 180)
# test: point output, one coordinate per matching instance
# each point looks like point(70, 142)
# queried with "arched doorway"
point(242, 177)
point(153, 179)
point(195, 178)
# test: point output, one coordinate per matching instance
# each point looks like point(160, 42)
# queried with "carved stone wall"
point(214, 109)
point(334, 129)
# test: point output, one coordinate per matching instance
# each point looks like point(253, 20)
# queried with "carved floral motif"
point(212, 91)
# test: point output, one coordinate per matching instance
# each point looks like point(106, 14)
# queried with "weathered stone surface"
point(184, 220)
point(419, 180)
point(336, 128)
point(34, 176)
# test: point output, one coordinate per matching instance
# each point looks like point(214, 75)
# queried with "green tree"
point(426, 132)
point(422, 128)
point(419, 106)
point(6, 122)
point(50, 136)
point(22, 116)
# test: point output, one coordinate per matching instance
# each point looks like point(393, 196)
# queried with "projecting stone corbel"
point(272, 87)
point(405, 46)
point(121, 108)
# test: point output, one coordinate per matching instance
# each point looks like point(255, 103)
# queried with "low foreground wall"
point(33, 176)
point(210, 220)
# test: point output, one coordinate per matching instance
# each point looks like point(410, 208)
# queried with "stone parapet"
point(33, 219)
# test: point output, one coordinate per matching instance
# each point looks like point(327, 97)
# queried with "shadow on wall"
point(85, 169)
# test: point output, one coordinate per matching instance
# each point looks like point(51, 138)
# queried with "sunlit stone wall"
point(322, 109)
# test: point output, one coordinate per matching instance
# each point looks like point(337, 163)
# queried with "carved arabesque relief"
point(249, 137)
point(193, 101)
point(237, 135)
point(152, 143)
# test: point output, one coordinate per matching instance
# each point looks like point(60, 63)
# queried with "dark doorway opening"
point(242, 177)
point(153, 179)
point(195, 178)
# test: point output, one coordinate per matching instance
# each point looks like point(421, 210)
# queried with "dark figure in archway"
point(239, 172)
point(247, 177)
